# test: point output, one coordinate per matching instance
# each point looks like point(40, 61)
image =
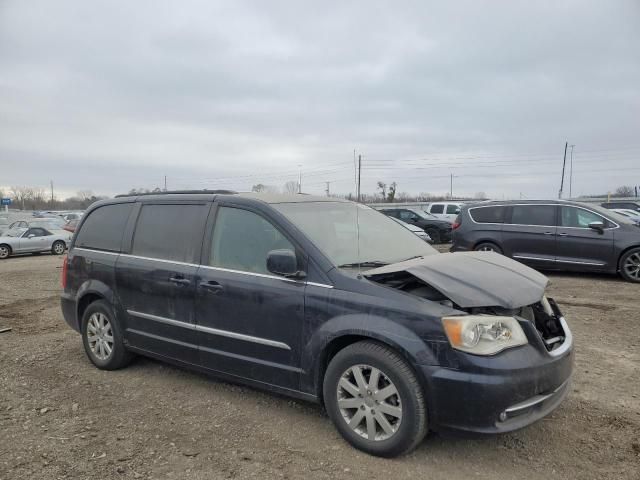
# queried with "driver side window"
point(407, 215)
point(243, 239)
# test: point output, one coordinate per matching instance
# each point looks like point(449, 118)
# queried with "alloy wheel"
point(486, 248)
point(632, 266)
point(58, 248)
point(4, 252)
point(100, 336)
point(369, 402)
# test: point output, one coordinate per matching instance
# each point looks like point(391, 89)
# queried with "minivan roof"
point(211, 194)
point(533, 202)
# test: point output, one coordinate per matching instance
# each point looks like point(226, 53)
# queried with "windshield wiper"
point(369, 263)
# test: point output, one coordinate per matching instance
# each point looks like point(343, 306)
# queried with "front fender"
point(393, 334)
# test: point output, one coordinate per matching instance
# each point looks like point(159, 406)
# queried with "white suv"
point(444, 210)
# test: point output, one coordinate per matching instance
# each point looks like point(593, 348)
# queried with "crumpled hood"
point(475, 279)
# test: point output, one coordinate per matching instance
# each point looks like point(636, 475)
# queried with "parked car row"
point(555, 235)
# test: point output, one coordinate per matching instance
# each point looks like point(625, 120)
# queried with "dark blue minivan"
point(321, 299)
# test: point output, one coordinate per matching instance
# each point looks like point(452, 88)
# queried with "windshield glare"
point(331, 226)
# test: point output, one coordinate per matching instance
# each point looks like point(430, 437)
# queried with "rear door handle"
point(548, 233)
point(179, 280)
point(212, 286)
point(563, 234)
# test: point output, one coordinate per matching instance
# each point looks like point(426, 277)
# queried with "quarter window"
point(407, 215)
point(243, 239)
point(438, 208)
point(170, 232)
point(487, 214)
point(579, 218)
point(103, 227)
point(534, 215)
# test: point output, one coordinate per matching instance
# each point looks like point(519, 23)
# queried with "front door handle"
point(179, 280)
point(548, 233)
point(212, 286)
point(563, 234)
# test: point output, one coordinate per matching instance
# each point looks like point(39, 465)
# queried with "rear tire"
point(385, 383)
point(58, 247)
point(102, 337)
point(488, 247)
point(630, 265)
point(5, 251)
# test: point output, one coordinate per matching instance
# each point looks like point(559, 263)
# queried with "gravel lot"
point(62, 418)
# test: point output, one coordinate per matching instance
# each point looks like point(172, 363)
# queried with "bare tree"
point(392, 192)
point(480, 196)
point(383, 190)
point(291, 187)
point(624, 191)
point(84, 195)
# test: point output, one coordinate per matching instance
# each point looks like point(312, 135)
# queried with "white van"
point(444, 210)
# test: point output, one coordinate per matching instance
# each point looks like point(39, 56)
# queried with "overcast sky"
point(110, 96)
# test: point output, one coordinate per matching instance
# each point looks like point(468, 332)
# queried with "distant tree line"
point(36, 198)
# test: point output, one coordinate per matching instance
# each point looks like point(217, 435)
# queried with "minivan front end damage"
point(513, 353)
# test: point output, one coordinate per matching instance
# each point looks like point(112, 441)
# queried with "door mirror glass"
point(599, 226)
point(282, 262)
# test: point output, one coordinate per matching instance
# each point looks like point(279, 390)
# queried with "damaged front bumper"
point(500, 393)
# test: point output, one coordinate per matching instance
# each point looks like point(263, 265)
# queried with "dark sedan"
point(554, 235)
point(438, 230)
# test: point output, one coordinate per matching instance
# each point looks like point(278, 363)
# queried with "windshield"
point(14, 232)
point(423, 214)
point(331, 226)
point(615, 216)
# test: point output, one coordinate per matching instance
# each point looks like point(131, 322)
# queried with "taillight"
point(65, 267)
point(457, 223)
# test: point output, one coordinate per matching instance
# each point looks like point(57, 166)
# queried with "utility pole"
point(327, 189)
point(165, 183)
point(300, 180)
point(359, 172)
point(451, 188)
point(564, 162)
point(51, 193)
point(571, 173)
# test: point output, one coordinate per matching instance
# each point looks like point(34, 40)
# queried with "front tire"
point(58, 247)
point(375, 400)
point(630, 265)
point(102, 337)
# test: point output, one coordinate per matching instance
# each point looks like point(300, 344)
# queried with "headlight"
point(483, 334)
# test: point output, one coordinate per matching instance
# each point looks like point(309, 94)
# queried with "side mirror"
point(283, 262)
point(31, 235)
point(598, 226)
point(457, 212)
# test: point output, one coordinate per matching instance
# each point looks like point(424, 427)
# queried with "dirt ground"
point(62, 418)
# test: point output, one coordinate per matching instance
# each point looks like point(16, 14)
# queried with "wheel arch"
point(8, 246)
point(327, 342)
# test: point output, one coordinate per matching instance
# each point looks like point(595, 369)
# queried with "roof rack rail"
point(168, 192)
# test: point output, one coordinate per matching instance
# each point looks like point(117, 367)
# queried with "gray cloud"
point(110, 96)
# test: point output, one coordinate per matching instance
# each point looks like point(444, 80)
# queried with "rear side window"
point(437, 209)
point(103, 227)
point(487, 214)
point(452, 209)
point(533, 215)
point(170, 232)
point(242, 241)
